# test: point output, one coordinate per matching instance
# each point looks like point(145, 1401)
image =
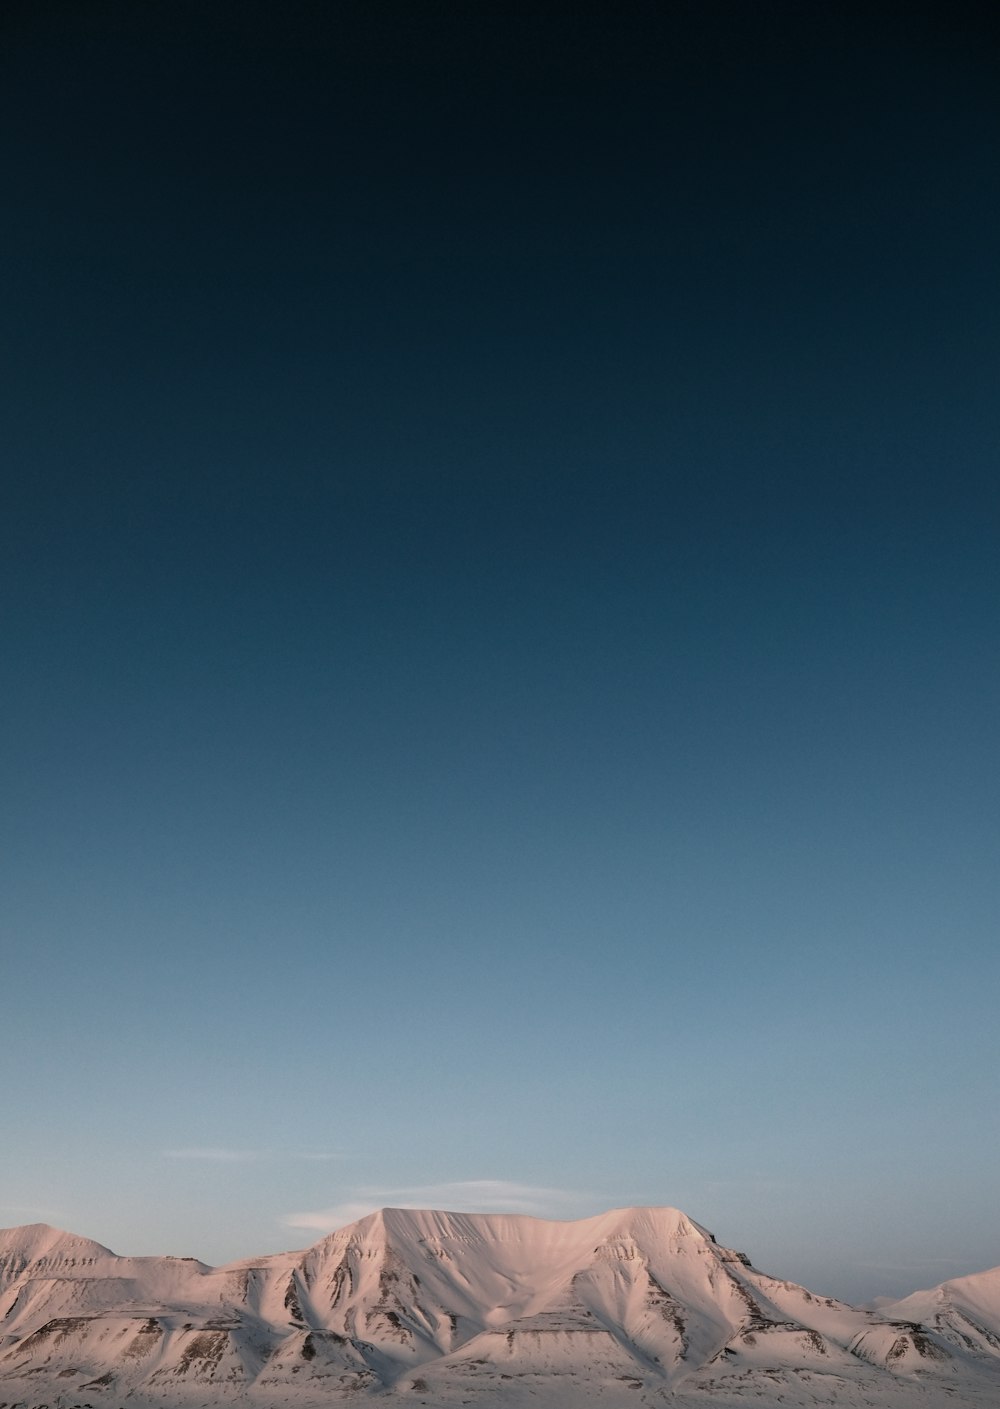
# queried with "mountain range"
point(635, 1307)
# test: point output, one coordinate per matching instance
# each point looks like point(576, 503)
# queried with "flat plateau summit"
point(638, 1306)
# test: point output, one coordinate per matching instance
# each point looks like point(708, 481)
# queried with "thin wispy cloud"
point(224, 1155)
point(214, 1154)
point(758, 1183)
point(458, 1196)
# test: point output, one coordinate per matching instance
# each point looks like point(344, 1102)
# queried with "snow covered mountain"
point(633, 1307)
point(965, 1312)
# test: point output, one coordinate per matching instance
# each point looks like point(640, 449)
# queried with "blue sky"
point(500, 628)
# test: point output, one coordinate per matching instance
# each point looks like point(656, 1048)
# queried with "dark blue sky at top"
point(499, 510)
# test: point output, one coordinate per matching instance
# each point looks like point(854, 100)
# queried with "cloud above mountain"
point(460, 1196)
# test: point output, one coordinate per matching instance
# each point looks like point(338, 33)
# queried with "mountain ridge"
point(638, 1305)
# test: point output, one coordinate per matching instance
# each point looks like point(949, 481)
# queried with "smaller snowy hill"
point(638, 1306)
point(39, 1245)
point(965, 1311)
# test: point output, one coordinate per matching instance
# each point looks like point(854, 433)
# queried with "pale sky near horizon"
point(500, 625)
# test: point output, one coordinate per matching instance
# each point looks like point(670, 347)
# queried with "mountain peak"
point(36, 1240)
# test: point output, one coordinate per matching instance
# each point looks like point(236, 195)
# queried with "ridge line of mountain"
point(457, 1306)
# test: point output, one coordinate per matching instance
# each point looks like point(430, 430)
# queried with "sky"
point(499, 589)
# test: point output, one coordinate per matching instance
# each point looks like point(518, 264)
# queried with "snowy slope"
point(965, 1312)
point(635, 1306)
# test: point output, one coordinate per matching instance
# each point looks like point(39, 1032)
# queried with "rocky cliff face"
point(636, 1306)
